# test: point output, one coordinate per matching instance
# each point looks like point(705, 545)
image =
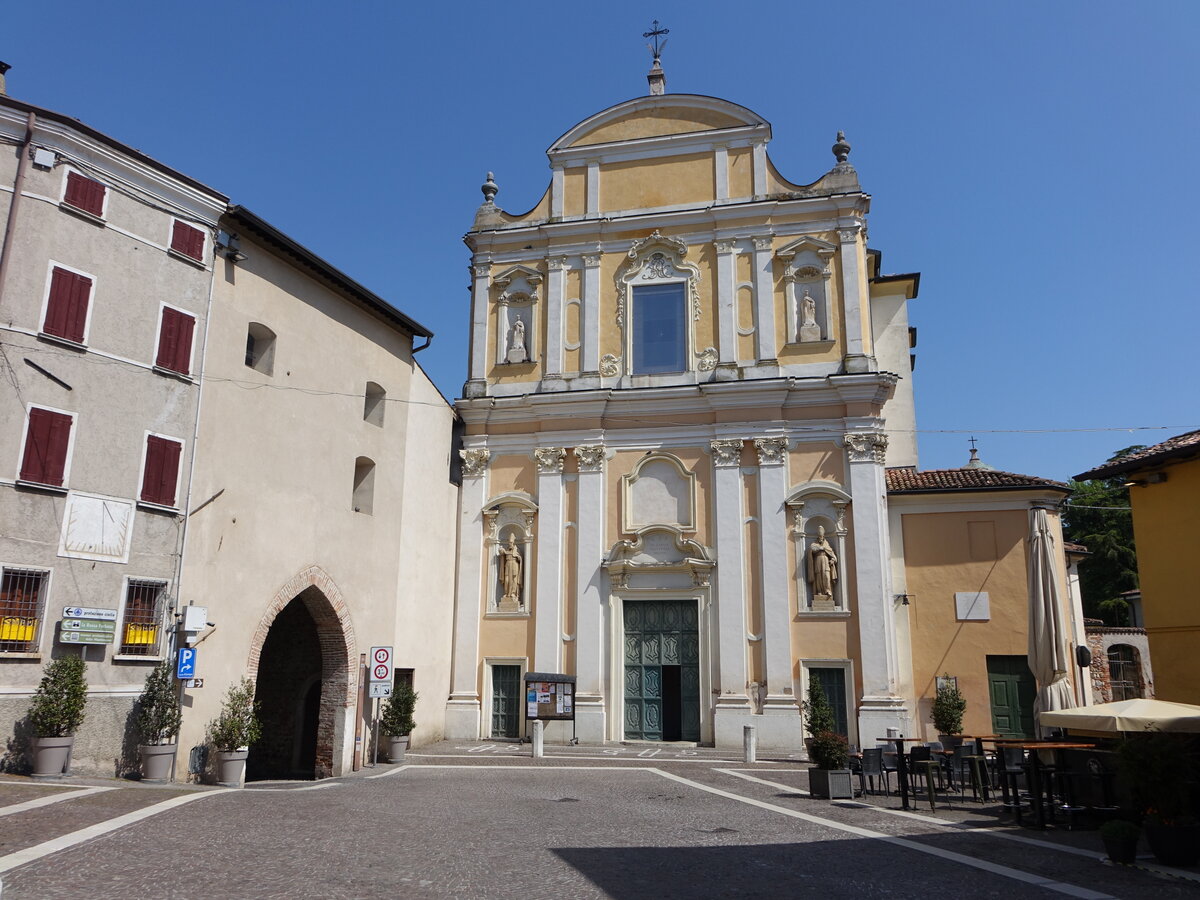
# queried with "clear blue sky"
point(1035, 161)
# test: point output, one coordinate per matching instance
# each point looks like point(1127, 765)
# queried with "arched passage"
point(302, 662)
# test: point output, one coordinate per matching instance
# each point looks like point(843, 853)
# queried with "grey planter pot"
point(831, 784)
point(52, 756)
point(157, 761)
point(231, 766)
point(397, 744)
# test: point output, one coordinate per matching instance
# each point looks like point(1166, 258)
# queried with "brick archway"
point(335, 633)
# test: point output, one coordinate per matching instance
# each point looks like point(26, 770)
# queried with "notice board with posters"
point(549, 696)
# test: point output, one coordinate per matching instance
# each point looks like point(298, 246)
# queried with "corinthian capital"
point(550, 460)
point(727, 452)
point(771, 451)
point(867, 446)
point(590, 457)
point(474, 462)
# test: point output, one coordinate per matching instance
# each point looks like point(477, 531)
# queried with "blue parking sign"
point(185, 663)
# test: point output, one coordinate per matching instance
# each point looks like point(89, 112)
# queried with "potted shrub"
point(947, 714)
point(233, 731)
point(831, 778)
point(818, 714)
point(1159, 771)
point(397, 722)
point(55, 713)
point(158, 720)
point(1120, 840)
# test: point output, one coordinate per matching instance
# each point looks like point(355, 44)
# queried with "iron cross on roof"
point(656, 32)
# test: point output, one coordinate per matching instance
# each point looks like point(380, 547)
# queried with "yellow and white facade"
point(678, 350)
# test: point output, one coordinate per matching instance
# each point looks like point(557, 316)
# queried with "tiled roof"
point(1072, 547)
point(1178, 447)
point(907, 480)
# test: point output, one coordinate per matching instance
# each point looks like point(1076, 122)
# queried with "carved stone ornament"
point(845, 235)
point(591, 259)
point(610, 365)
point(809, 272)
point(706, 359)
point(763, 243)
point(556, 262)
point(550, 460)
point(591, 457)
point(771, 451)
point(481, 271)
point(474, 462)
point(867, 446)
point(724, 246)
point(727, 452)
point(656, 257)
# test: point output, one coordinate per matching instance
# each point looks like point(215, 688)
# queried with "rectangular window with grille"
point(142, 623)
point(22, 609)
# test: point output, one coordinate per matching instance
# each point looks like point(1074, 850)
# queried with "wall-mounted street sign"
point(87, 630)
point(89, 612)
point(379, 689)
point(185, 663)
point(379, 663)
point(194, 683)
point(85, 637)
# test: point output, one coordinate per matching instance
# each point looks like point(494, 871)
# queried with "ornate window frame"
point(627, 482)
point(825, 503)
point(518, 286)
point(657, 259)
point(807, 269)
point(502, 515)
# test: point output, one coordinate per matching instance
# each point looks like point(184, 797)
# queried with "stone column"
point(759, 169)
point(854, 301)
point(727, 335)
point(462, 709)
point(721, 171)
point(879, 708)
point(593, 187)
point(547, 605)
point(591, 314)
point(552, 373)
point(476, 386)
point(764, 302)
point(557, 182)
point(733, 709)
point(776, 595)
point(590, 578)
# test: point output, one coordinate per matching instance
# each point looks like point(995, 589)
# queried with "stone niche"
point(808, 280)
point(659, 491)
point(516, 299)
point(815, 506)
point(510, 515)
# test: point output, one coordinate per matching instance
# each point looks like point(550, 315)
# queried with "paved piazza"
point(484, 820)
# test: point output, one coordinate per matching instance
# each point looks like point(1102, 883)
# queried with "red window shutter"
point(84, 193)
point(66, 311)
point(45, 458)
point(175, 341)
point(188, 240)
point(162, 471)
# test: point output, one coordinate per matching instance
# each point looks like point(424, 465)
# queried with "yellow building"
point(686, 374)
point(1164, 491)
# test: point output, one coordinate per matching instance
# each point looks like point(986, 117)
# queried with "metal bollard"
point(538, 738)
point(749, 744)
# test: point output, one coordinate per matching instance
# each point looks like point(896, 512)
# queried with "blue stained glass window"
point(659, 320)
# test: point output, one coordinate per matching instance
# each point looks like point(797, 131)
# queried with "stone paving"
point(484, 820)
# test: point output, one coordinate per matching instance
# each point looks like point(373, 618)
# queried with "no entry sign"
point(380, 664)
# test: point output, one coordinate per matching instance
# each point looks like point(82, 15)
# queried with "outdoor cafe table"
point(1035, 772)
point(901, 765)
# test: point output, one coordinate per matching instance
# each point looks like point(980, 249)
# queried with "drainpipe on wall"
point(22, 167)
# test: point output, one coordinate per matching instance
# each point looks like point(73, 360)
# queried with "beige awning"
point(1127, 715)
point(1048, 659)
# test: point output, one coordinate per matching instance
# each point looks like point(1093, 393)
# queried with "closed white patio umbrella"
point(1128, 715)
point(1047, 638)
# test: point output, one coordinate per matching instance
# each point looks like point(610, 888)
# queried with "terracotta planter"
point(157, 761)
point(231, 766)
point(1173, 845)
point(397, 745)
point(831, 784)
point(52, 756)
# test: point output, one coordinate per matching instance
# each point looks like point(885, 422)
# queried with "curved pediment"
point(658, 116)
point(659, 552)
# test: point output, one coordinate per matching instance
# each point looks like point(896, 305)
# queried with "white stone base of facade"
point(462, 720)
point(590, 721)
point(877, 714)
point(777, 731)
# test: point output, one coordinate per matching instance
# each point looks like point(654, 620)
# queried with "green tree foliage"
point(818, 714)
point(948, 707)
point(398, 711)
point(57, 707)
point(158, 713)
point(1098, 517)
point(237, 725)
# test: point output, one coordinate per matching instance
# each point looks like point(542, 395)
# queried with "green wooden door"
point(506, 701)
point(662, 670)
point(1011, 689)
point(833, 683)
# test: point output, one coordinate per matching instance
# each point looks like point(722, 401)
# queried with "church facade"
point(679, 350)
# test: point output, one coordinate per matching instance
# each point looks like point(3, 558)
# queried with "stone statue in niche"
point(809, 329)
point(511, 566)
point(822, 571)
point(517, 350)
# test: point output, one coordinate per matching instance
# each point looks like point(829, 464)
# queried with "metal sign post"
point(379, 667)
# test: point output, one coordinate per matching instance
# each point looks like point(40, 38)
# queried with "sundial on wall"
point(97, 528)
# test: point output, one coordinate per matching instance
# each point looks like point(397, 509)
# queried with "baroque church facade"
point(676, 352)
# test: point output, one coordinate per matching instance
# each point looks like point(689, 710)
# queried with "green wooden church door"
point(662, 670)
point(1012, 690)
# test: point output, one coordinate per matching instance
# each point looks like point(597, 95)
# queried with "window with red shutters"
point(175, 341)
point(66, 309)
point(162, 470)
point(46, 440)
point(85, 193)
point(187, 240)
